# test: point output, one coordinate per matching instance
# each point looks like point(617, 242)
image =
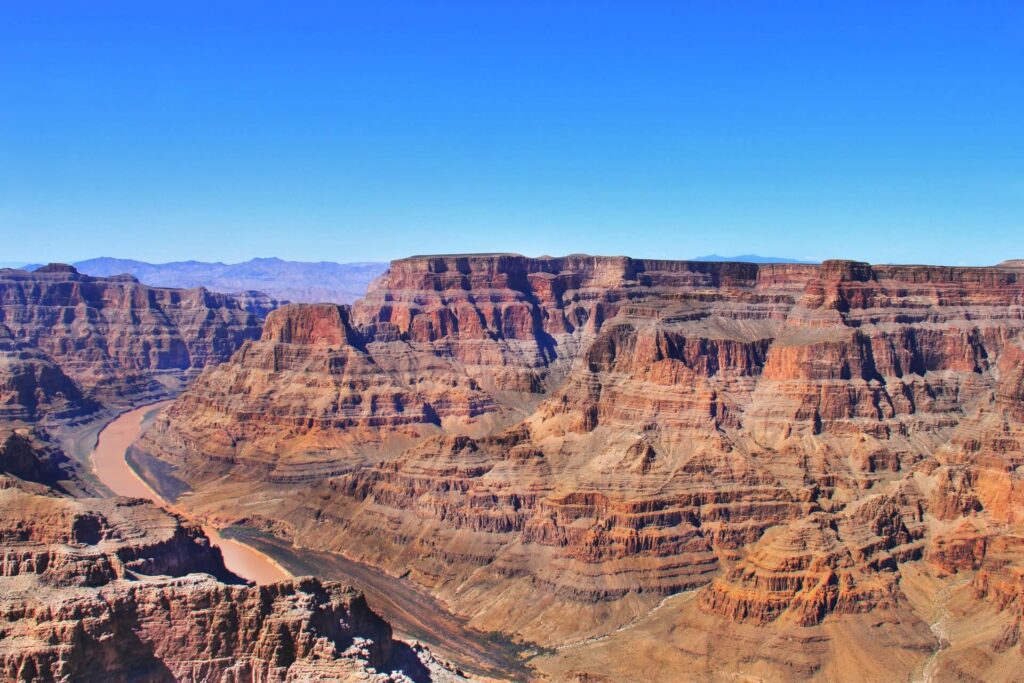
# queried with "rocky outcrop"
point(70, 342)
point(120, 590)
point(33, 386)
point(592, 434)
point(260, 304)
point(822, 564)
point(27, 455)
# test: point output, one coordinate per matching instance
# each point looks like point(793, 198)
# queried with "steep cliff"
point(588, 435)
point(70, 342)
point(34, 386)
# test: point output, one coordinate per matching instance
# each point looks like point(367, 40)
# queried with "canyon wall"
point(71, 344)
point(117, 589)
point(586, 435)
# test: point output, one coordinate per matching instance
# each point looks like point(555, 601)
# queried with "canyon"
point(73, 344)
point(113, 470)
point(118, 589)
point(573, 468)
point(738, 470)
point(100, 583)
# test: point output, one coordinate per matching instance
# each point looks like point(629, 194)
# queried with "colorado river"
point(110, 466)
point(410, 610)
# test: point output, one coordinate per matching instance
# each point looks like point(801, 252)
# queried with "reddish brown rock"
point(34, 387)
point(120, 590)
point(592, 434)
point(116, 340)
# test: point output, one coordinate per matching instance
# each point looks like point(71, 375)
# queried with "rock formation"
point(33, 385)
point(797, 446)
point(70, 343)
point(119, 590)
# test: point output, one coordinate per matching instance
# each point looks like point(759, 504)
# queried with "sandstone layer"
point(33, 386)
point(806, 451)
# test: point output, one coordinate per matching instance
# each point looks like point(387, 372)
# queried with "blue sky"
point(889, 132)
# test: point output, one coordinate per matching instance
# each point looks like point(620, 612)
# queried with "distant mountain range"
point(750, 258)
point(298, 281)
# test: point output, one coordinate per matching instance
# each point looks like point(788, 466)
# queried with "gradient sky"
point(888, 132)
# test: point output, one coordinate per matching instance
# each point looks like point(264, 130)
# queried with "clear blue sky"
point(890, 131)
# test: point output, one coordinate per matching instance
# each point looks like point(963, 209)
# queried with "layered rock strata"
point(33, 386)
point(119, 590)
point(593, 434)
point(70, 343)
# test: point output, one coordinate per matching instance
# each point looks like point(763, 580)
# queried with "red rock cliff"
point(119, 590)
point(591, 433)
point(116, 340)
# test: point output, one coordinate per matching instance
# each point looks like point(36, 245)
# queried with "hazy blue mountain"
point(19, 265)
point(323, 281)
point(750, 258)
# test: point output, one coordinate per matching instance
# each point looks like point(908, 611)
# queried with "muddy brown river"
point(110, 466)
point(263, 559)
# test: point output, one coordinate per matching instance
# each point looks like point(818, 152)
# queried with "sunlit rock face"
point(588, 435)
point(71, 342)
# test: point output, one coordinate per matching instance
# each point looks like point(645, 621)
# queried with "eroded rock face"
point(119, 590)
point(33, 386)
point(592, 434)
point(29, 455)
point(64, 335)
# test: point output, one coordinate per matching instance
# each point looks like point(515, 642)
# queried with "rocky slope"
point(119, 590)
point(812, 452)
point(34, 386)
point(70, 343)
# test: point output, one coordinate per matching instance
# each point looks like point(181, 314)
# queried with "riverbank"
point(113, 471)
point(413, 613)
point(265, 559)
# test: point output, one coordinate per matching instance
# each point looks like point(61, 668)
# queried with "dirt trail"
point(680, 598)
